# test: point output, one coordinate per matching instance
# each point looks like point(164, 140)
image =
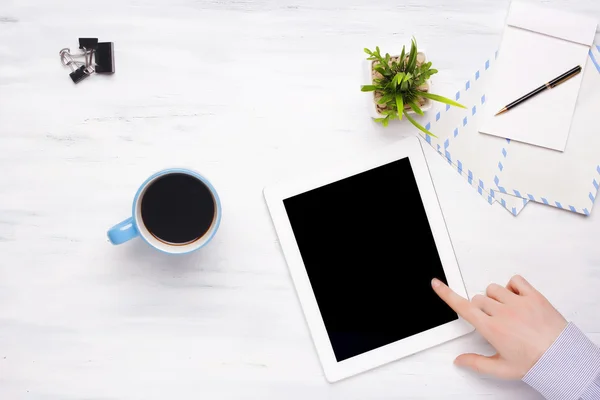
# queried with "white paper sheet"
point(538, 45)
point(561, 24)
point(566, 180)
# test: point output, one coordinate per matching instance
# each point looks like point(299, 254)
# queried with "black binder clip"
point(99, 58)
point(105, 59)
point(79, 70)
point(86, 44)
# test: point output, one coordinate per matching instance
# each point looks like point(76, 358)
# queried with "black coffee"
point(178, 208)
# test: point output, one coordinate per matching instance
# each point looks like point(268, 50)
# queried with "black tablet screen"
point(370, 256)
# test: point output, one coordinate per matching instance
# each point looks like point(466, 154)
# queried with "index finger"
point(462, 306)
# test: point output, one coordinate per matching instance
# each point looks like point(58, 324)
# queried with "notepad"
point(538, 45)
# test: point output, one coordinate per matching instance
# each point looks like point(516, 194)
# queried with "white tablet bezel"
point(275, 195)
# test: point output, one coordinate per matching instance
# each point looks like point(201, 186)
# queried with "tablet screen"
point(370, 256)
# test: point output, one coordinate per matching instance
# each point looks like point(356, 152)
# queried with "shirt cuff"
point(566, 370)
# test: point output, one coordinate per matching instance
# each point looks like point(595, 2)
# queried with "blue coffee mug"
point(134, 226)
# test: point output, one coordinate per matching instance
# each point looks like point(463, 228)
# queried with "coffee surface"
point(178, 208)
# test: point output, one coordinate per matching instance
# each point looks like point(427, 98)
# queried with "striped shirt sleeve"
point(569, 369)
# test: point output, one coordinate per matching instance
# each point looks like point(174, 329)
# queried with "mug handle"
point(122, 232)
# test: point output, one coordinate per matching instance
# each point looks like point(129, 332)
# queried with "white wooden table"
point(246, 92)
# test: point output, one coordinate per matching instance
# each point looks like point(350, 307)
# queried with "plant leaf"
point(380, 69)
point(415, 108)
point(386, 120)
point(399, 77)
point(385, 98)
point(441, 99)
point(368, 88)
point(402, 57)
point(419, 126)
point(412, 59)
point(406, 81)
point(399, 105)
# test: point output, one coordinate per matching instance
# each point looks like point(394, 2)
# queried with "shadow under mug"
point(134, 226)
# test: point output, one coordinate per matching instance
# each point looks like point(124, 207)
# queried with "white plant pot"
point(370, 96)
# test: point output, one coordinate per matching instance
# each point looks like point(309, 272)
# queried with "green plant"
point(400, 85)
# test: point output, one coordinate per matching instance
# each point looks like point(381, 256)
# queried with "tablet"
point(362, 241)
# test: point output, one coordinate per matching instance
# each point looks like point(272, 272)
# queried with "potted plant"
point(401, 85)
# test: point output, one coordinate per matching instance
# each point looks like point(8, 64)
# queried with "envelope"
point(445, 121)
point(567, 180)
point(538, 45)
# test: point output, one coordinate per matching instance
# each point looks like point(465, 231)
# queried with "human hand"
point(517, 320)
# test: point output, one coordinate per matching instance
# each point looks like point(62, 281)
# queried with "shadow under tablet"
point(370, 257)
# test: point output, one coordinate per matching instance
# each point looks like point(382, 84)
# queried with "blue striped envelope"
point(567, 180)
point(513, 173)
point(448, 122)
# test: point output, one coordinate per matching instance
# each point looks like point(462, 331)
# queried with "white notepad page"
point(538, 45)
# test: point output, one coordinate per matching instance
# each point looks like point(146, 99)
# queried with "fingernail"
point(435, 283)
